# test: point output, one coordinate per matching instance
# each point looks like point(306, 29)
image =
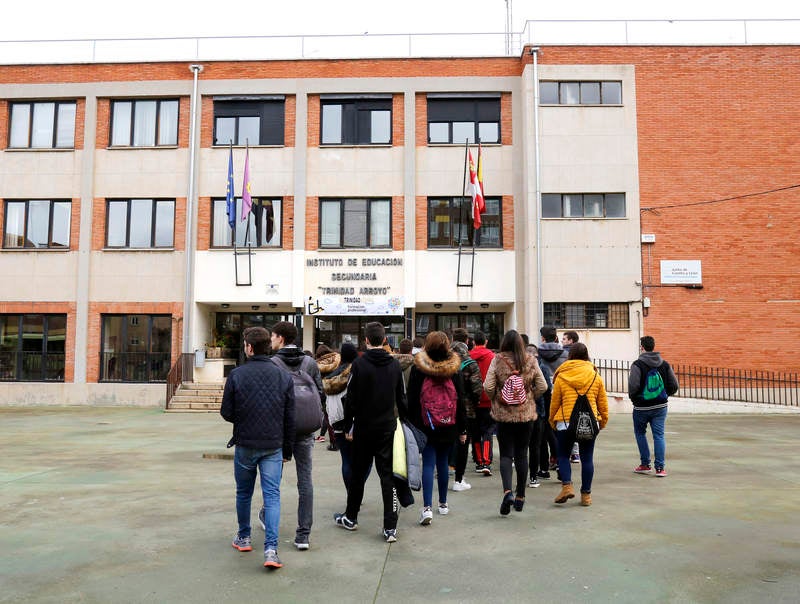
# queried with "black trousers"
point(369, 445)
point(513, 440)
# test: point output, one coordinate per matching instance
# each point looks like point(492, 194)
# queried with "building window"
point(359, 223)
point(42, 125)
point(456, 120)
point(356, 121)
point(587, 315)
point(37, 223)
point(262, 227)
point(140, 223)
point(254, 122)
point(136, 348)
point(490, 323)
point(32, 347)
point(450, 221)
point(146, 123)
point(580, 93)
point(583, 205)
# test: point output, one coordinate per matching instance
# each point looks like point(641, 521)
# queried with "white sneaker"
point(534, 483)
point(462, 486)
point(426, 516)
point(443, 509)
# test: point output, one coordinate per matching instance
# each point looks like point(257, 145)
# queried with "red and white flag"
point(478, 205)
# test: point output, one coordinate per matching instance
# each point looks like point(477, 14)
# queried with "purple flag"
point(247, 202)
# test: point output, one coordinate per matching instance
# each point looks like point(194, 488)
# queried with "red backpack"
point(513, 391)
point(438, 402)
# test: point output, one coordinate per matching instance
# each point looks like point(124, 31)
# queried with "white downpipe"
point(537, 159)
point(191, 219)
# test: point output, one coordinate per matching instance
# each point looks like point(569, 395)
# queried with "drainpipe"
point(191, 219)
point(538, 163)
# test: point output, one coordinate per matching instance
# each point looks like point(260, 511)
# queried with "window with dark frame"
point(42, 125)
point(253, 122)
point(490, 323)
point(37, 223)
point(33, 347)
point(264, 223)
point(356, 121)
point(140, 223)
point(587, 315)
point(355, 223)
point(450, 221)
point(144, 123)
point(135, 348)
point(456, 120)
point(583, 205)
point(580, 93)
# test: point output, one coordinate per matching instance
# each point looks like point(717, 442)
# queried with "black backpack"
point(582, 422)
point(307, 403)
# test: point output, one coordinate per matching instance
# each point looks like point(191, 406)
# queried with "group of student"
point(457, 395)
point(451, 397)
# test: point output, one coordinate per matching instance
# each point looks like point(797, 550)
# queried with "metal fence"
point(181, 371)
point(712, 383)
point(27, 366)
point(135, 366)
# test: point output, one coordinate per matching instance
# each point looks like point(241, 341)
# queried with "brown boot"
point(567, 492)
point(586, 499)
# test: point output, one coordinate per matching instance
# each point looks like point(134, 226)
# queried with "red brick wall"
point(715, 123)
point(312, 223)
point(96, 309)
point(287, 228)
point(5, 119)
point(61, 308)
point(226, 70)
point(203, 224)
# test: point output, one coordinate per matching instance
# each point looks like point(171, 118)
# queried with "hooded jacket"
point(650, 359)
point(572, 377)
point(483, 356)
point(374, 391)
point(423, 367)
point(471, 374)
point(552, 354)
point(406, 361)
point(535, 386)
point(328, 362)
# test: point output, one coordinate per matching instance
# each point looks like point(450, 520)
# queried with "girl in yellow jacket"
point(576, 375)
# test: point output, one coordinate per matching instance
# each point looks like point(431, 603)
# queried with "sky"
point(98, 19)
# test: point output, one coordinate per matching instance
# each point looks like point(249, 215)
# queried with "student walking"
point(577, 375)
point(435, 405)
point(513, 383)
point(259, 401)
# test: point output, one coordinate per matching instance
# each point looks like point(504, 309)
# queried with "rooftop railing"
point(402, 45)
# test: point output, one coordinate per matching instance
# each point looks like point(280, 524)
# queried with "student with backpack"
point(309, 397)
point(473, 389)
point(513, 383)
point(651, 382)
point(577, 382)
point(435, 405)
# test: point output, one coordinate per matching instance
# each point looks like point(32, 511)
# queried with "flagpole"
point(233, 228)
point(463, 192)
point(474, 230)
point(247, 227)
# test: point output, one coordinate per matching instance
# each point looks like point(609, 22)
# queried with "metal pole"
point(188, 294)
point(538, 163)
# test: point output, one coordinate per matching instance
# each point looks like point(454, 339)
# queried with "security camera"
point(637, 283)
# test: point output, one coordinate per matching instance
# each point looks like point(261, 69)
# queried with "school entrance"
point(333, 331)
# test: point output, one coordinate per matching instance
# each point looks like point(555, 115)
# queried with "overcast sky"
point(58, 19)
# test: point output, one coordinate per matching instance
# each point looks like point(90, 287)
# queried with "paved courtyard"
point(137, 505)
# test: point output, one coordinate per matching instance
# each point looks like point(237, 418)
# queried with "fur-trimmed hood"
point(444, 368)
point(405, 360)
point(328, 362)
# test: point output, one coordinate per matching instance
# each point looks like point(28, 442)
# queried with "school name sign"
point(355, 284)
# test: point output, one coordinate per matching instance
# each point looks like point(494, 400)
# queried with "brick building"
point(118, 255)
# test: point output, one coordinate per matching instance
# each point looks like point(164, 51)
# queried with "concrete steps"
point(197, 398)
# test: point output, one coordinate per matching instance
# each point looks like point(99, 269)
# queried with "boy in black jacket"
point(373, 393)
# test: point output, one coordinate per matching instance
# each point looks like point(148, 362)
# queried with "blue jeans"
point(247, 463)
point(302, 453)
point(586, 450)
point(435, 455)
point(656, 418)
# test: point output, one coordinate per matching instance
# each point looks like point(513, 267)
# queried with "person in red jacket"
point(481, 428)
